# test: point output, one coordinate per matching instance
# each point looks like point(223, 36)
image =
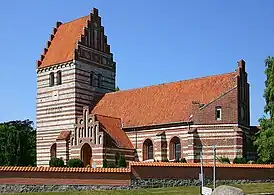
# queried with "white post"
point(214, 167)
point(202, 174)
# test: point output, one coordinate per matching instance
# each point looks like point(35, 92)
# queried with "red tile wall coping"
point(63, 169)
point(128, 170)
point(219, 165)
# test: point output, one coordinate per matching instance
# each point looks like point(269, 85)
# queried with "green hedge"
point(56, 162)
point(75, 163)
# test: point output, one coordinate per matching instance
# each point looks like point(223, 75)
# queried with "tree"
point(264, 139)
point(18, 143)
point(117, 89)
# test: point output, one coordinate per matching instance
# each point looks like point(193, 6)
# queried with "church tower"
point(75, 70)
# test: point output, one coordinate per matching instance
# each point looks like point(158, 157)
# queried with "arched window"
point(59, 77)
point(175, 148)
point(53, 151)
point(51, 79)
point(147, 149)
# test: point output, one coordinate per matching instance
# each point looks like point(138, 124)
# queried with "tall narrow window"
point(91, 79)
point(53, 151)
point(218, 113)
point(59, 77)
point(51, 79)
point(147, 150)
point(99, 80)
point(175, 148)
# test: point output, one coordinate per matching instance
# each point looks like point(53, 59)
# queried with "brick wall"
point(192, 170)
point(136, 170)
point(69, 176)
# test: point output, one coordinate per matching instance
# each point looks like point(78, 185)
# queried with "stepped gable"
point(113, 128)
point(65, 39)
point(164, 103)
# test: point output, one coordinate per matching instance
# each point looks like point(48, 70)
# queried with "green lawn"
point(191, 190)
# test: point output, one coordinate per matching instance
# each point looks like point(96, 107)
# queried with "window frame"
point(218, 109)
point(51, 79)
point(59, 77)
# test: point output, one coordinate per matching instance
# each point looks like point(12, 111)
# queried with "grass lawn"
point(190, 190)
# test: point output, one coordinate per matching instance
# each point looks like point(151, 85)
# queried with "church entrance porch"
point(86, 154)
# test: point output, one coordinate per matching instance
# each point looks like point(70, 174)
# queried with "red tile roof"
point(64, 135)
point(113, 127)
point(165, 103)
point(64, 42)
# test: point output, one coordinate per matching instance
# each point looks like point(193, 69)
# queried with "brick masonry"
point(136, 171)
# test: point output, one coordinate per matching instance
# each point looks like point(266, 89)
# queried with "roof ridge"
point(76, 19)
point(173, 82)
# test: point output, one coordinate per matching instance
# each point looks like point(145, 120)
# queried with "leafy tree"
point(75, 162)
point(264, 139)
point(18, 143)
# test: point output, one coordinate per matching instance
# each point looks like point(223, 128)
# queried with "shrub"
point(183, 160)
point(111, 165)
point(122, 161)
point(105, 163)
point(56, 162)
point(117, 157)
point(259, 161)
point(223, 160)
point(177, 160)
point(75, 163)
point(239, 160)
point(251, 162)
point(165, 160)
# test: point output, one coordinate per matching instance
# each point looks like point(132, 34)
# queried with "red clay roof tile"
point(113, 127)
point(64, 42)
point(165, 103)
point(64, 135)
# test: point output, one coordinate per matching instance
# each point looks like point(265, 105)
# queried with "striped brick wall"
point(55, 109)
point(227, 138)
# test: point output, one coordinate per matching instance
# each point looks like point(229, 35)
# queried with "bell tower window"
point(59, 77)
point(51, 79)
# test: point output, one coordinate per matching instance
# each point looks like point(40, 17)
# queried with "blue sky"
point(153, 42)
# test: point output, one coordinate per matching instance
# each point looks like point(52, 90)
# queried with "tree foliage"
point(264, 139)
point(18, 143)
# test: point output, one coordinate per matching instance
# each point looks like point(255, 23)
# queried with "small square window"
point(218, 113)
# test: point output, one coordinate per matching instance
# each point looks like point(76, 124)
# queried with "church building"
point(80, 115)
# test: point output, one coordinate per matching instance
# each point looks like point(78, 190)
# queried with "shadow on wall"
point(198, 147)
